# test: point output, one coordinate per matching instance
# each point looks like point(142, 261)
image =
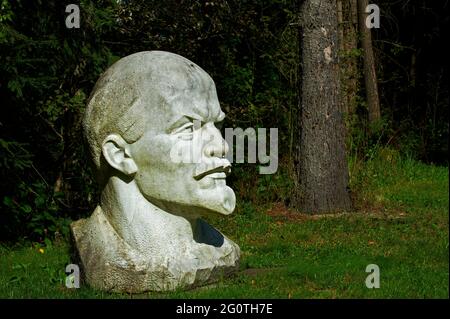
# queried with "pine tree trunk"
point(322, 165)
point(370, 76)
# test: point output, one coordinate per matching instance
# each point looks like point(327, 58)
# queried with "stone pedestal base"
point(108, 263)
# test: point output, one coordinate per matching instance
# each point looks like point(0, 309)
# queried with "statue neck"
point(141, 224)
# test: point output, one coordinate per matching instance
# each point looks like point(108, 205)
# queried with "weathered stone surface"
point(147, 233)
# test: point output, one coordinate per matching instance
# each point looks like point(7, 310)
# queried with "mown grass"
point(400, 224)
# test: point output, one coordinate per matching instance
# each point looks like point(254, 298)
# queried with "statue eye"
point(185, 131)
point(187, 128)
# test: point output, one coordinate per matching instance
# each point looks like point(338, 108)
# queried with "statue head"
point(147, 107)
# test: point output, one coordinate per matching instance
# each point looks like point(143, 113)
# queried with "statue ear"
point(117, 153)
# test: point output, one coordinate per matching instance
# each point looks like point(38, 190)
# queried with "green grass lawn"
point(400, 224)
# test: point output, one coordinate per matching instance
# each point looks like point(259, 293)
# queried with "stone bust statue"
point(147, 234)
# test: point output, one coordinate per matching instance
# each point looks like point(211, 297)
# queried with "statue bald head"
point(150, 82)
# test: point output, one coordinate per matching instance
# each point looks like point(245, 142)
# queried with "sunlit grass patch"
point(400, 224)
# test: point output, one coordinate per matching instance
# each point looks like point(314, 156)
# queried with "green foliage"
point(239, 84)
point(48, 72)
point(35, 210)
point(413, 79)
point(388, 176)
point(250, 48)
point(14, 155)
point(6, 13)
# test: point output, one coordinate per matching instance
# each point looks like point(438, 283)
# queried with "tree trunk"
point(322, 170)
point(348, 61)
point(370, 76)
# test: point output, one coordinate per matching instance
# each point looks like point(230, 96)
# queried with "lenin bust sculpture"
point(160, 162)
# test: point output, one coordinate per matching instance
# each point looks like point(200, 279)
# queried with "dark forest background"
point(251, 50)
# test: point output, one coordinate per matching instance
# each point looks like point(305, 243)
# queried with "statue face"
point(184, 122)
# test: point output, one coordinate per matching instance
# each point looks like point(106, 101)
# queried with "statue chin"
point(228, 202)
point(222, 202)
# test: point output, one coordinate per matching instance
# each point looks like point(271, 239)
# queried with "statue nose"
point(215, 145)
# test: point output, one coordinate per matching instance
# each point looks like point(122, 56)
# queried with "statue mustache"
point(203, 169)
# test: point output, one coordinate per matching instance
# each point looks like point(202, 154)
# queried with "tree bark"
point(322, 171)
point(370, 76)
